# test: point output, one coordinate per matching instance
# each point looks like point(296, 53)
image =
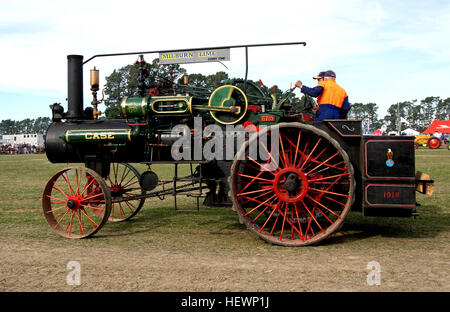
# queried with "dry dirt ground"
point(27, 265)
point(161, 250)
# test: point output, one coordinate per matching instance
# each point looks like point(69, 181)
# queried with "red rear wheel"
point(76, 202)
point(305, 198)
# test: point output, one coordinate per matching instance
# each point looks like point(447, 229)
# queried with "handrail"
point(196, 49)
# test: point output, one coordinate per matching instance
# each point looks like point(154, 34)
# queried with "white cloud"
point(360, 40)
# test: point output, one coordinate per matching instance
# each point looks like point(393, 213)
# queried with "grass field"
point(164, 250)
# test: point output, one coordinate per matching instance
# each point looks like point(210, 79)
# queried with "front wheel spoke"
point(91, 221)
point(58, 188)
point(78, 179)
point(66, 178)
point(80, 226)
point(69, 224)
point(60, 200)
point(63, 214)
point(56, 209)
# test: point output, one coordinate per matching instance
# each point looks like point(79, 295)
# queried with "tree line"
point(417, 114)
point(414, 114)
point(38, 125)
point(123, 82)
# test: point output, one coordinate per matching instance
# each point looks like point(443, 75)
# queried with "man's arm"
point(345, 108)
point(314, 92)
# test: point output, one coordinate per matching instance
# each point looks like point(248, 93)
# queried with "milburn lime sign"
point(213, 55)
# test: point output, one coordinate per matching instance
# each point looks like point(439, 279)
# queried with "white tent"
point(410, 131)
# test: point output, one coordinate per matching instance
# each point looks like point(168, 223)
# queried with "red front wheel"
point(76, 202)
point(297, 195)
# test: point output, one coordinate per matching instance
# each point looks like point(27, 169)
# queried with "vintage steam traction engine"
point(295, 191)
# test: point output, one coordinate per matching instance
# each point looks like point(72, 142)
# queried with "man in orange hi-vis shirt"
point(332, 100)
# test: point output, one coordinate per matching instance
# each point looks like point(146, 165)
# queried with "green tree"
point(7, 126)
point(443, 110)
point(38, 125)
point(429, 105)
point(41, 125)
point(367, 113)
point(123, 83)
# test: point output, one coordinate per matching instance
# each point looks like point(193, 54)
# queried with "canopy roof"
point(440, 126)
point(410, 131)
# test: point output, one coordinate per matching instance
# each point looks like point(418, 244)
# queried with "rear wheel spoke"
point(305, 198)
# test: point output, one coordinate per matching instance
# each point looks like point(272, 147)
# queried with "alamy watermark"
point(73, 278)
point(374, 275)
point(214, 142)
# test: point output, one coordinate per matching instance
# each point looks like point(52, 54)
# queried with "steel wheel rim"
point(123, 182)
point(315, 208)
point(76, 202)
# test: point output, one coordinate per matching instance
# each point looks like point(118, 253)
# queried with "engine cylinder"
point(73, 141)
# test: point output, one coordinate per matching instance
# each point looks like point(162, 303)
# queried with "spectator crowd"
point(20, 149)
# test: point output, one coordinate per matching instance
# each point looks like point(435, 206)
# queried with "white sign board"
point(200, 56)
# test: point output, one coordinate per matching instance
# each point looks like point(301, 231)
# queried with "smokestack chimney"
point(75, 87)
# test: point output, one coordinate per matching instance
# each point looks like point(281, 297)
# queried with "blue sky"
point(382, 51)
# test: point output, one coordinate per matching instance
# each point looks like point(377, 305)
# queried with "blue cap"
point(319, 75)
point(330, 73)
